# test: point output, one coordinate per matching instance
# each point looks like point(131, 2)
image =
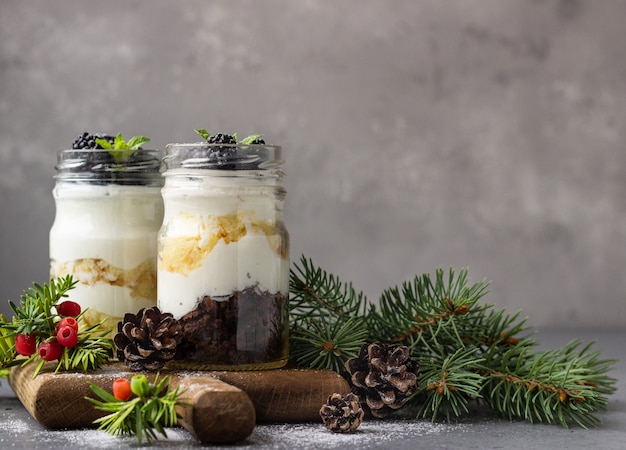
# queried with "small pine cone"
point(148, 339)
point(342, 414)
point(384, 375)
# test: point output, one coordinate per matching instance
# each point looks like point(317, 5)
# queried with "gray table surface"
point(480, 430)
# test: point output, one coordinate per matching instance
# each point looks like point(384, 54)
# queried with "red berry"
point(67, 321)
point(67, 336)
point(25, 344)
point(68, 308)
point(50, 350)
point(121, 389)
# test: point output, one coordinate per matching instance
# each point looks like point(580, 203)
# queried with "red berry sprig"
point(121, 389)
point(68, 308)
point(25, 344)
point(64, 335)
point(45, 327)
point(138, 407)
point(67, 336)
point(50, 350)
point(67, 321)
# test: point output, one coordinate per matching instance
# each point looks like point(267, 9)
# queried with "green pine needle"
point(327, 346)
point(145, 415)
point(35, 315)
point(90, 352)
point(448, 382)
point(7, 347)
point(423, 310)
point(562, 386)
point(467, 350)
point(317, 295)
point(326, 319)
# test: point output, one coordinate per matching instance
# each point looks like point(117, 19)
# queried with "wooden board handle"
point(219, 412)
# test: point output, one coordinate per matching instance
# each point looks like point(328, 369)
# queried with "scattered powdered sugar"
point(22, 434)
point(16, 426)
point(20, 430)
point(370, 433)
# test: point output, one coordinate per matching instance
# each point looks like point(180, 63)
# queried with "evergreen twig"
point(147, 414)
point(326, 326)
point(316, 294)
point(467, 350)
point(327, 345)
point(7, 348)
point(565, 385)
point(35, 315)
point(448, 382)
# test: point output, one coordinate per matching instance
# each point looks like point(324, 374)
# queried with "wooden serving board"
point(225, 405)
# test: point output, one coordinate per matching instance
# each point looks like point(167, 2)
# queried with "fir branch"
point(421, 309)
point(147, 414)
point(564, 386)
point(90, 352)
point(448, 382)
point(36, 315)
point(496, 329)
point(33, 315)
point(327, 345)
point(7, 348)
point(467, 350)
point(316, 294)
point(448, 313)
point(327, 318)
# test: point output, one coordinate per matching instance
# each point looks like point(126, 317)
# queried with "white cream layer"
point(228, 268)
point(117, 225)
point(191, 208)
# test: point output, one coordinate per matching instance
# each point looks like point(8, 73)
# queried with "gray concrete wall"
point(487, 134)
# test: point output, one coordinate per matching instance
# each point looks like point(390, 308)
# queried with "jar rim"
point(223, 157)
point(143, 166)
point(209, 144)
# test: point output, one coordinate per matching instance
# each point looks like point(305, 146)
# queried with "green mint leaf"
point(250, 139)
point(234, 135)
point(122, 150)
point(136, 142)
point(119, 143)
point(121, 155)
point(204, 133)
point(104, 144)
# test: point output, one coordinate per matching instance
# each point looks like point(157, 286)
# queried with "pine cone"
point(384, 375)
point(342, 414)
point(148, 339)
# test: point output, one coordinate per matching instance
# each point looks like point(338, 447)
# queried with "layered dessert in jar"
point(223, 262)
point(108, 213)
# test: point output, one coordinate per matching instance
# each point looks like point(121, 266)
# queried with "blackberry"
point(222, 154)
point(88, 141)
point(221, 138)
point(223, 151)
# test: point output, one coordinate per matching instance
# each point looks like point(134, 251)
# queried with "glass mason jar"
point(223, 265)
point(108, 215)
